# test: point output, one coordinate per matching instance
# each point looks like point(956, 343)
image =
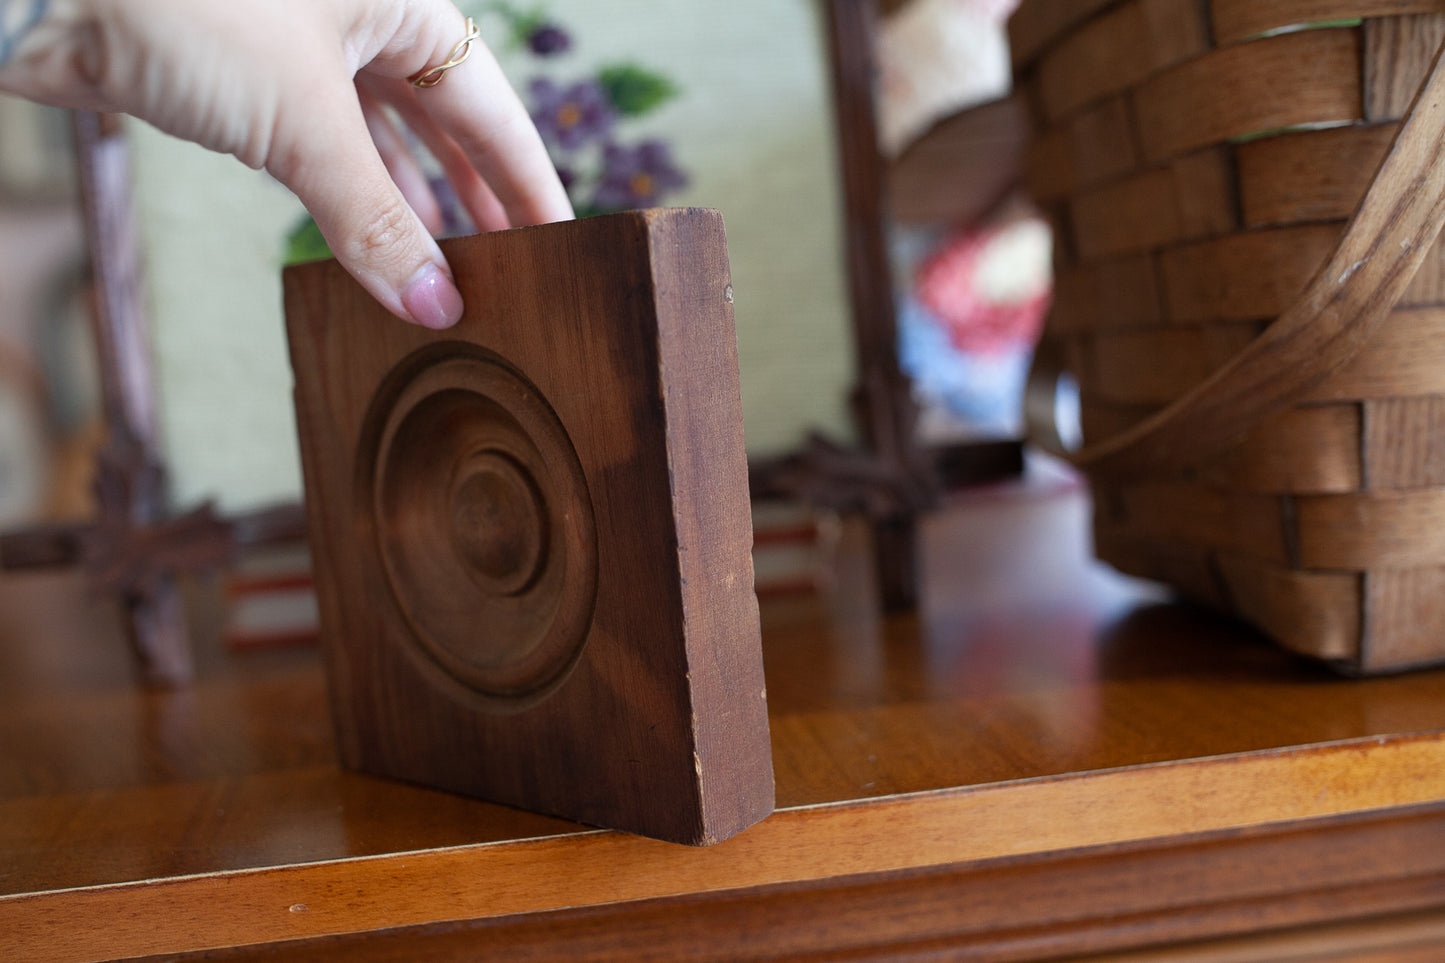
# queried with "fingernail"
point(432, 299)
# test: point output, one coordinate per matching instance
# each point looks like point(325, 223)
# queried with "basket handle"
point(1381, 249)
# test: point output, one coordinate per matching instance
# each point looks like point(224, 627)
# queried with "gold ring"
point(432, 76)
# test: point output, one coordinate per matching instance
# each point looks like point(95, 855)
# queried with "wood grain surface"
point(1319, 125)
point(1090, 147)
point(1255, 88)
point(1085, 65)
point(1397, 55)
point(1427, 287)
point(927, 830)
point(1037, 23)
point(1247, 276)
point(1000, 722)
point(1238, 901)
point(1317, 175)
point(1315, 448)
point(1372, 267)
point(1220, 519)
point(1122, 293)
point(1402, 606)
point(1404, 442)
point(1319, 614)
point(960, 168)
point(1386, 529)
point(1191, 198)
point(1405, 358)
point(1158, 365)
point(531, 530)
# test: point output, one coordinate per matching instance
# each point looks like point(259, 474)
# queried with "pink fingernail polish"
point(432, 299)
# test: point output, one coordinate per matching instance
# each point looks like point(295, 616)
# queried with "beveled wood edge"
point(1312, 879)
point(795, 845)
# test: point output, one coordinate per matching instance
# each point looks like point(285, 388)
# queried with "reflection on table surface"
point(1025, 660)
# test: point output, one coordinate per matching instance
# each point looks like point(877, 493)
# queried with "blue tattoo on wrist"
point(17, 18)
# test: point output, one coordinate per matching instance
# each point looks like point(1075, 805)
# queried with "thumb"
point(338, 175)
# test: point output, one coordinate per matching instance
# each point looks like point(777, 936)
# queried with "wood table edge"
point(796, 845)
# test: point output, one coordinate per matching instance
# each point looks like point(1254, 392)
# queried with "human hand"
point(300, 89)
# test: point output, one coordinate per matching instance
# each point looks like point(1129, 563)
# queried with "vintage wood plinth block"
point(532, 532)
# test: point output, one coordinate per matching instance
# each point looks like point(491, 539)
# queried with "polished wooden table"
point(1044, 762)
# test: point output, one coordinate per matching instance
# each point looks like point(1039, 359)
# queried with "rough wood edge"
point(697, 349)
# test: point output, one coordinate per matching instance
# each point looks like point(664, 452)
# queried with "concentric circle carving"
point(483, 523)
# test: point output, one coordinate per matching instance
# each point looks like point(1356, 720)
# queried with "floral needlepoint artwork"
point(582, 117)
point(571, 117)
point(636, 176)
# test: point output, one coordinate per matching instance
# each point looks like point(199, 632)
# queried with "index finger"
point(476, 105)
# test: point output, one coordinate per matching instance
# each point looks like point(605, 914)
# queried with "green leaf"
point(520, 23)
point(633, 90)
point(305, 243)
point(523, 25)
point(1299, 27)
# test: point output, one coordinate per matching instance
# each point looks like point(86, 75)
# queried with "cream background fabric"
point(752, 128)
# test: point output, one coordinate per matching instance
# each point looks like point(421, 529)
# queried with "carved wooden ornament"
point(532, 532)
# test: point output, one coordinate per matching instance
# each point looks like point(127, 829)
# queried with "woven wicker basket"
point(1246, 196)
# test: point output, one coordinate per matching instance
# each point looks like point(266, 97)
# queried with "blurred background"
point(49, 417)
point(673, 102)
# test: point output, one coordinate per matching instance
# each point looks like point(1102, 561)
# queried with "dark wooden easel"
point(895, 478)
point(135, 548)
point(882, 400)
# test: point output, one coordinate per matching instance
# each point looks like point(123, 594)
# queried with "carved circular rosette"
point(483, 523)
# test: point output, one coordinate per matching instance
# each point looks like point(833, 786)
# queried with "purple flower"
point(570, 117)
point(455, 219)
point(548, 40)
point(636, 176)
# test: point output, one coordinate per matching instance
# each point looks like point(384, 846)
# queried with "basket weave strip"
point(1251, 299)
